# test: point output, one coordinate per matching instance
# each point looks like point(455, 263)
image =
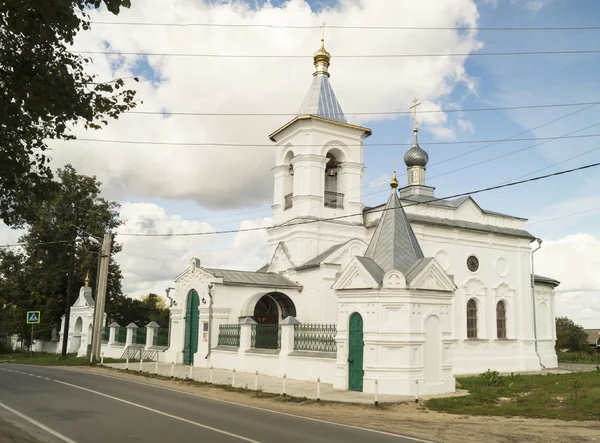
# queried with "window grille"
point(501, 319)
point(472, 319)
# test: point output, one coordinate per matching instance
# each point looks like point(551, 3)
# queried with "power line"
point(381, 27)
point(292, 56)
point(292, 114)
point(230, 231)
point(35, 244)
point(509, 153)
point(254, 145)
point(515, 136)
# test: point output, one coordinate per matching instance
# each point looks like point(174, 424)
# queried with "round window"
point(473, 263)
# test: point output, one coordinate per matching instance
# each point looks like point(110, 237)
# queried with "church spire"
point(320, 101)
point(322, 58)
point(416, 159)
point(394, 244)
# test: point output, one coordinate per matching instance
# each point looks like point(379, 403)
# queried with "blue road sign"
point(33, 317)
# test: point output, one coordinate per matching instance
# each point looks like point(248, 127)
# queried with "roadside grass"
point(592, 358)
point(45, 359)
point(573, 396)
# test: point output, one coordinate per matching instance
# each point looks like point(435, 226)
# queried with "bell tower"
point(318, 172)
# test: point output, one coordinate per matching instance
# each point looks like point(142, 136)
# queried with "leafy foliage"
point(44, 91)
point(570, 336)
point(34, 277)
point(141, 312)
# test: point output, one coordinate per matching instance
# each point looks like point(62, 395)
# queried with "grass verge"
point(45, 359)
point(573, 396)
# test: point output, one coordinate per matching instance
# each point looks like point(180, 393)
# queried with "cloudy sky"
point(212, 173)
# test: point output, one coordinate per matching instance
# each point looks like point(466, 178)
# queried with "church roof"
point(372, 268)
point(321, 101)
point(316, 261)
point(249, 278)
point(394, 244)
point(546, 280)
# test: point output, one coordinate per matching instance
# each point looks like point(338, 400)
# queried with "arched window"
point(288, 181)
point(501, 319)
point(333, 199)
point(472, 319)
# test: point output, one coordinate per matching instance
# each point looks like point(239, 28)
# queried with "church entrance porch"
point(192, 320)
point(355, 353)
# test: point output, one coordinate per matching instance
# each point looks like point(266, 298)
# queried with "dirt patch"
point(410, 419)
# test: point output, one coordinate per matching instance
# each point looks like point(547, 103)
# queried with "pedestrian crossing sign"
point(33, 317)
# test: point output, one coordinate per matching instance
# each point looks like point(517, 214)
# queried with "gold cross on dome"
point(323, 31)
point(414, 107)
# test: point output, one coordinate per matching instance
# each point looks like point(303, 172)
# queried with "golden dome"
point(394, 181)
point(322, 59)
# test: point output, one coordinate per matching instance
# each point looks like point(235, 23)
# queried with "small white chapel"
point(413, 291)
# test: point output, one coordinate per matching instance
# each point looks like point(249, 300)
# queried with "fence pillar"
point(112, 335)
point(287, 342)
point(287, 334)
point(245, 340)
point(150, 331)
point(246, 333)
point(131, 329)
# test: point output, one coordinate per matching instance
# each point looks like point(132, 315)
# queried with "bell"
point(291, 170)
point(332, 172)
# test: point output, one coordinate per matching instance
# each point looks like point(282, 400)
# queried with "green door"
point(355, 353)
point(190, 344)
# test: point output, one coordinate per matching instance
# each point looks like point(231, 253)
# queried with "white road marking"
point(38, 424)
point(156, 411)
point(287, 414)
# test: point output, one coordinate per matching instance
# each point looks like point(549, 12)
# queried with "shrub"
point(492, 378)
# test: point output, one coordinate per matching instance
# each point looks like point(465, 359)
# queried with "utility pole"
point(65, 337)
point(102, 285)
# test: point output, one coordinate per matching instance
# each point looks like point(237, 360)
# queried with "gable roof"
point(372, 268)
point(450, 204)
point(250, 278)
point(316, 261)
point(593, 336)
point(394, 244)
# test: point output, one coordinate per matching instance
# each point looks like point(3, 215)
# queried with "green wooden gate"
point(355, 353)
point(190, 344)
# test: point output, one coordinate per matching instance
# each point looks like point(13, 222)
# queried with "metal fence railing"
point(139, 337)
point(266, 336)
point(121, 335)
point(161, 337)
point(229, 335)
point(334, 200)
point(105, 334)
point(315, 337)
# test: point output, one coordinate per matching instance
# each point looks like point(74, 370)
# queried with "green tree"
point(141, 312)
point(44, 91)
point(34, 277)
point(570, 335)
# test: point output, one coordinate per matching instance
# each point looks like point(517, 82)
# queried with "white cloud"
point(574, 261)
point(537, 5)
point(222, 177)
point(150, 264)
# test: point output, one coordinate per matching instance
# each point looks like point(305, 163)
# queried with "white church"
point(416, 290)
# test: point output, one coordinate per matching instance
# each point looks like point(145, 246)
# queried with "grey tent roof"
point(394, 245)
point(89, 299)
point(316, 261)
point(321, 101)
point(373, 268)
point(249, 278)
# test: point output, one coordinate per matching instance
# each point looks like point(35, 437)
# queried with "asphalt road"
point(59, 405)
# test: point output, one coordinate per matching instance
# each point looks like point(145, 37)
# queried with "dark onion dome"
point(416, 156)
